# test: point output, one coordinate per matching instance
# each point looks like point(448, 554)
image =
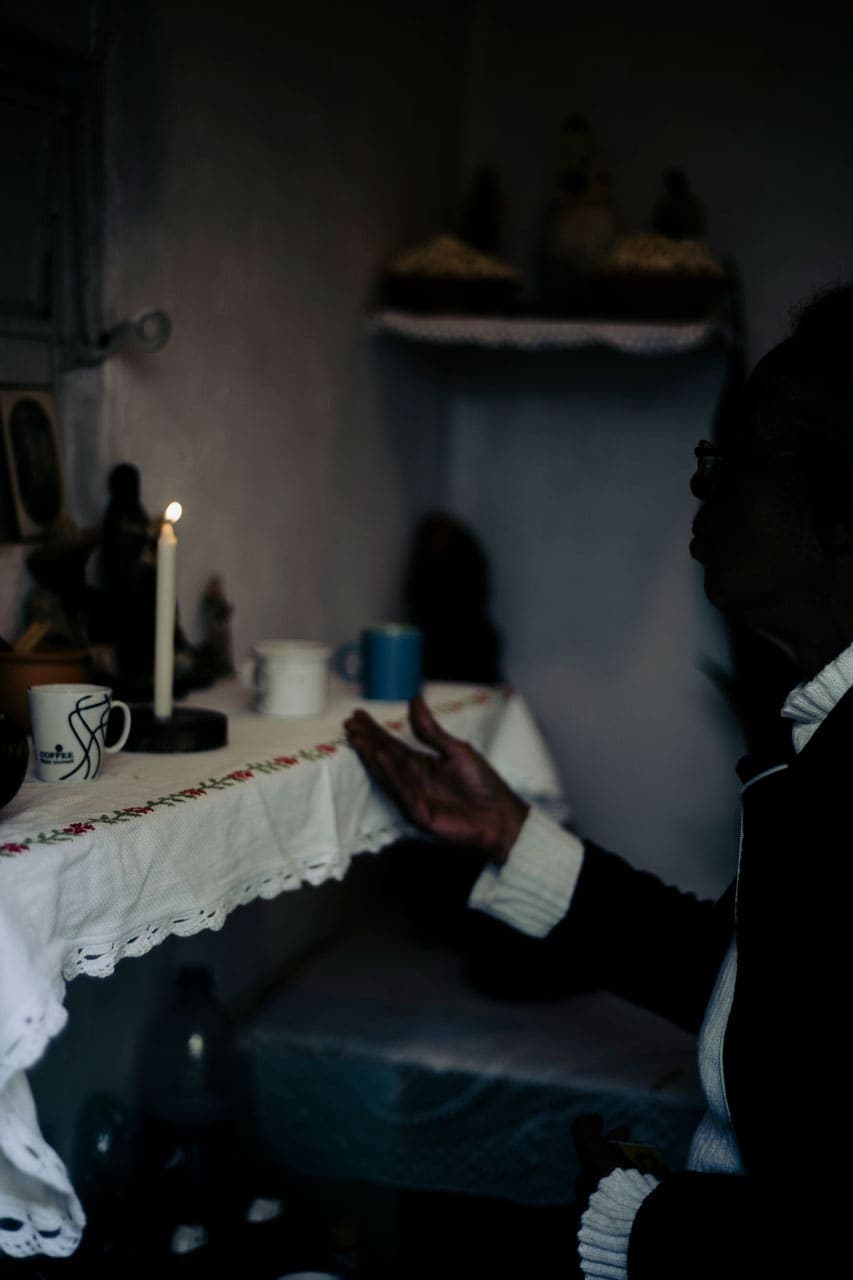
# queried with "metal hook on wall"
point(148, 332)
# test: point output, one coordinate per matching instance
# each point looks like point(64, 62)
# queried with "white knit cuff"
point(607, 1221)
point(534, 887)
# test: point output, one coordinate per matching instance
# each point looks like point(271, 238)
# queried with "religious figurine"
point(216, 651)
point(128, 603)
point(678, 213)
point(128, 579)
point(129, 591)
point(580, 222)
point(127, 532)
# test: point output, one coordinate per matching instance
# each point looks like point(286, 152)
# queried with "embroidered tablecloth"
point(160, 845)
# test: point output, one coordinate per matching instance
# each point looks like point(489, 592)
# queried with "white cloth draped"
point(93, 872)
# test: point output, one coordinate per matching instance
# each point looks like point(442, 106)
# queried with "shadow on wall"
point(447, 595)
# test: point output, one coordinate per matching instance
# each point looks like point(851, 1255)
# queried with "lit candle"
point(164, 626)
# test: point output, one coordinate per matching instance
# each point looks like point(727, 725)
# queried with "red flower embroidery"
point(240, 775)
point(138, 808)
point(192, 791)
point(77, 828)
point(287, 761)
point(13, 848)
point(482, 697)
point(394, 724)
point(327, 748)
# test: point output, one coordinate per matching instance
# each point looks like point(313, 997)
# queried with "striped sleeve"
point(533, 889)
point(606, 1224)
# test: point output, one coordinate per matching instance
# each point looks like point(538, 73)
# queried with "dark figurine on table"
point(128, 573)
point(128, 602)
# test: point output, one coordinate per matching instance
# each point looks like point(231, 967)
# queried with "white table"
point(159, 845)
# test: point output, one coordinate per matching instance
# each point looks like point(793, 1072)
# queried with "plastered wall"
point(262, 166)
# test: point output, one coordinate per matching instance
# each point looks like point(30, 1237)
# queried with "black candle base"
point(187, 729)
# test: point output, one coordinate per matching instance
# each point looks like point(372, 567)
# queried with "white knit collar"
point(809, 704)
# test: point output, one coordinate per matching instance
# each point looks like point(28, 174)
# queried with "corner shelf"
point(530, 333)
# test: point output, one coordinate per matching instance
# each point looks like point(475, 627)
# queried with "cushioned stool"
point(379, 1061)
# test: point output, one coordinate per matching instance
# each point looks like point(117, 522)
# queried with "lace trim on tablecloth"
point(50, 1219)
point(26, 1230)
point(99, 959)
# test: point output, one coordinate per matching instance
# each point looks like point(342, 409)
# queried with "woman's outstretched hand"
point(450, 792)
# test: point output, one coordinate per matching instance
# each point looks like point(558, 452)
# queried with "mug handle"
point(343, 661)
point(123, 736)
point(247, 670)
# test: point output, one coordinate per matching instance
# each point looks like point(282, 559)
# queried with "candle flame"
point(173, 512)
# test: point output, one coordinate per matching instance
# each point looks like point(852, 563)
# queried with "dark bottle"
point(193, 1104)
point(103, 1167)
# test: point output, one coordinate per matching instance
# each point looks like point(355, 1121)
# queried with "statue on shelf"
point(580, 222)
point(679, 213)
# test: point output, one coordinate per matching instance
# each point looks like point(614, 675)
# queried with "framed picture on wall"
point(33, 498)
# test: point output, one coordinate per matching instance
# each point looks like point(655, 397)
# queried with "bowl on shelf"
point(19, 671)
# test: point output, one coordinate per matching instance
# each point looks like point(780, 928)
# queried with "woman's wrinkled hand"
point(450, 792)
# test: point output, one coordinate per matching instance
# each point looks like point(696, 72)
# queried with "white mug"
point(69, 725)
point(291, 677)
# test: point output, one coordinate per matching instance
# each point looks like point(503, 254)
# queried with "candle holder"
point(186, 729)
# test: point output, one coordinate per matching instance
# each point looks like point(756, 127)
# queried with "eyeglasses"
point(713, 463)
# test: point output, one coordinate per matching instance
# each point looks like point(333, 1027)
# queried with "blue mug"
point(388, 660)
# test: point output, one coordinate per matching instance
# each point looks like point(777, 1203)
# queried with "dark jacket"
point(785, 1055)
point(785, 1058)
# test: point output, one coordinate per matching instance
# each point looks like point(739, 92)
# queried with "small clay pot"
point(19, 671)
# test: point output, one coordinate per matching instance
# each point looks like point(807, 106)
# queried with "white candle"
point(164, 626)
